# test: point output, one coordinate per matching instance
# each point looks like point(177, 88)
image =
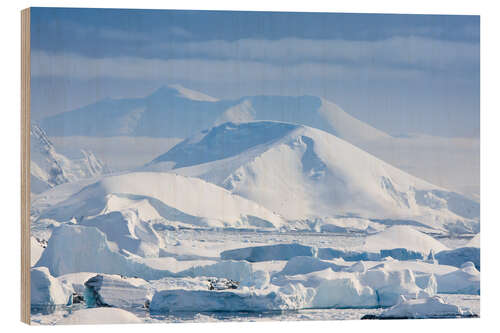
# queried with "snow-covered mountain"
point(50, 168)
point(156, 115)
point(159, 115)
point(452, 163)
point(153, 196)
point(304, 173)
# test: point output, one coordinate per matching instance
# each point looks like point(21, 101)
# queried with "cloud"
point(202, 70)
point(179, 32)
point(414, 52)
point(83, 32)
point(251, 60)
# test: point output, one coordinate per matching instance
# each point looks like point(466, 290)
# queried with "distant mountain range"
point(175, 111)
point(297, 159)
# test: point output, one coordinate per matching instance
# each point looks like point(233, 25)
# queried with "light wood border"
point(25, 167)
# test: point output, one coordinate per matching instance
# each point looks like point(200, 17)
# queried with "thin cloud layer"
point(398, 51)
point(81, 67)
point(396, 56)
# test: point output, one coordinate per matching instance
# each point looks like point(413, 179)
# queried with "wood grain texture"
point(25, 167)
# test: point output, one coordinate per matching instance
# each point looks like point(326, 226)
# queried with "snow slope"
point(49, 168)
point(192, 94)
point(151, 196)
point(304, 173)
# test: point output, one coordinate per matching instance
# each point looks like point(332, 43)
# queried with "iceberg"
point(74, 248)
point(458, 257)
point(76, 281)
point(234, 270)
point(37, 249)
point(430, 307)
point(269, 252)
point(403, 237)
point(128, 231)
point(47, 290)
point(344, 292)
point(389, 285)
point(208, 300)
point(117, 291)
point(304, 265)
point(320, 289)
point(465, 280)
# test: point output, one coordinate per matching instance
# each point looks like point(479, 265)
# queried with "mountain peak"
point(303, 173)
point(225, 140)
point(179, 91)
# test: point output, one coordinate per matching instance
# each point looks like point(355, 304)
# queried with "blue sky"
point(400, 73)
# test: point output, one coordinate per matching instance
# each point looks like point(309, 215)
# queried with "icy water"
point(250, 238)
point(201, 240)
point(467, 302)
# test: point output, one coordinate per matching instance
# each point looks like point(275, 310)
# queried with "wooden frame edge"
point(25, 167)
